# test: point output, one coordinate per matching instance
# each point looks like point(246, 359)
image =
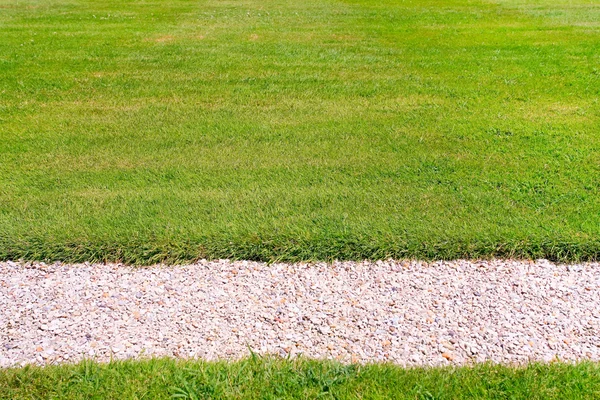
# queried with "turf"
point(266, 378)
point(147, 131)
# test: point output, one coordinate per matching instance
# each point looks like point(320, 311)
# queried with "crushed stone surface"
point(406, 312)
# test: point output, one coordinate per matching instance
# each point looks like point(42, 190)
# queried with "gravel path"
point(405, 312)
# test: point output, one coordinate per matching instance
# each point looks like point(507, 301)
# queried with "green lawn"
point(148, 131)
point(256, 378)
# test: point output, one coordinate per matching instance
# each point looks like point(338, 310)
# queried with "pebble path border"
point(406, 312)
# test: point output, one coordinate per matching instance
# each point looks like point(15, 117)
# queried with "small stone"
point(325, 330)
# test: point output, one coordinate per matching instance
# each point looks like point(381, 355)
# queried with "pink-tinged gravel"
point(400, 311)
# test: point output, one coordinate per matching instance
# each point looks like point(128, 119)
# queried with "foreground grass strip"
point(267, 378)
point(284, 130)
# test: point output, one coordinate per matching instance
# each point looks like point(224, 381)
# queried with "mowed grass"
point(148, 131)
point(267, 378)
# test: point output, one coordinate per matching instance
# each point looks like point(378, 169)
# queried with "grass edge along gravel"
point(270, 377)
point(288, 249)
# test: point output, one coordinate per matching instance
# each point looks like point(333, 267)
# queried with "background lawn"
point(257, 378)
point(148, 131)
